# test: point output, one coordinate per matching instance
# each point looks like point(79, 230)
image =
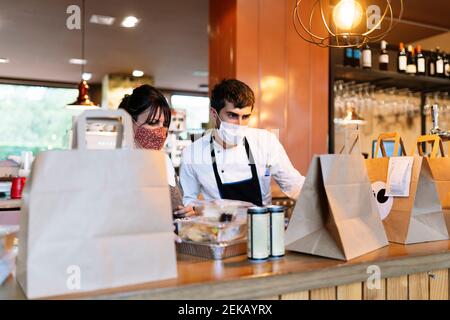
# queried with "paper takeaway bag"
point(336, 215)
point(440, 170)
point(413, 219)
point(95, 219)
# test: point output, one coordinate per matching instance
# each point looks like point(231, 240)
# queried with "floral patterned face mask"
point(153, 139)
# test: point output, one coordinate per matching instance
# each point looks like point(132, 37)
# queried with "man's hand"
point(183, 212)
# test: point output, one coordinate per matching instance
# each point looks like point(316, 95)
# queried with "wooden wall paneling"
point(375, 294)
point(222, 40)
point(270, 298)
point(439, 285)
point(272, 60)
point(323, 294)
point(301, 295)
point(319, 92)
point(298, 117)
point(351, 291)
point(247, 50)
point(418, 286)
point(397, 288)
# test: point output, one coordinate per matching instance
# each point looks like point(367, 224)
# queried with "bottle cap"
point(257, 210)
point(276, 208)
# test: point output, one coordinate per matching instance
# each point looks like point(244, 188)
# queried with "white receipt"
point(399, 176)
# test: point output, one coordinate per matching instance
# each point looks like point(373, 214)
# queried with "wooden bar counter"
point(417, 271)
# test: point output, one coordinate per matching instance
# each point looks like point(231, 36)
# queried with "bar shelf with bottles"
point(386, 98)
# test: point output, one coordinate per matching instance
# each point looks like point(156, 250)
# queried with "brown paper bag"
point(413, 219)
point(440, 171)
point(336, 215)
point(95, 219)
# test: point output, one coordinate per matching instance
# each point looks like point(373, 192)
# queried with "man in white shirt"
point(234, 161)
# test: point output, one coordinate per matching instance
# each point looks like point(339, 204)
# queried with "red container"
point(17, 187)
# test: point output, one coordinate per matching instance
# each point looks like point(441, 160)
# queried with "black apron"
point(247, 190)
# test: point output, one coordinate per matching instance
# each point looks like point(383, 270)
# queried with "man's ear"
point(213, 115)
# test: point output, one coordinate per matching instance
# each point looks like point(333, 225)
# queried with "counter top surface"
point(10, 204)
point(238, 278)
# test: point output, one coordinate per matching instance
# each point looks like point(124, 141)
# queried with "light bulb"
point(137, 73)
point(347, 14)
point(130, 22)
point(86, 76)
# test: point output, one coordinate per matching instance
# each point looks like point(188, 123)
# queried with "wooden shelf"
point(391, 79)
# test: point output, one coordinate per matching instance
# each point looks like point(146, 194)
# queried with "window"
point(197, 109)
point(34, 118)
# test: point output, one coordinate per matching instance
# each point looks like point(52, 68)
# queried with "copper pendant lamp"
point(83, 101)
point(345, 23)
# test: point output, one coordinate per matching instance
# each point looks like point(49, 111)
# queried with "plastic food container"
point(203, 230)
point(222, 209)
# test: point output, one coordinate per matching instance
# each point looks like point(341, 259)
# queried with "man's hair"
point(233, 91)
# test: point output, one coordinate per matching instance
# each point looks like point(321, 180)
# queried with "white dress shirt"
point(197, 175)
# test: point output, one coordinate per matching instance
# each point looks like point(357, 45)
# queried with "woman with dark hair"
point(151, 116)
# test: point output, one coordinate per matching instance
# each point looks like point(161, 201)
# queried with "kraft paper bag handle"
point(389, 137)
point(436, 145)
point(124, 129)
point(351, 147)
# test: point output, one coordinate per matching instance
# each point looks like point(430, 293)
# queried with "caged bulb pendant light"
point(83, 101)
point(345, 23)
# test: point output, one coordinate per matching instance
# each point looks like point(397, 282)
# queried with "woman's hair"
point(143, 98)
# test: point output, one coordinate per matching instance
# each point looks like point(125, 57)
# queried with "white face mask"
point(232, 134)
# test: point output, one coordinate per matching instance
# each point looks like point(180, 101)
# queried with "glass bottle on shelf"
point(402, 59)
point(420, 61)
point(356, 57)
point(432, 64)
point(446, 66)
point(411, 67)
point(384, 57)
point(439, 63)
point(348, 57)
point(366, 60)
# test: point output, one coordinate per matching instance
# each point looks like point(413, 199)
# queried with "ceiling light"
point(138, 73)
point(351, 23)
point(104, 20)
point(86, 76)
point(347, 14)
point(77, 61)
point(4, 60)
point(130, 22)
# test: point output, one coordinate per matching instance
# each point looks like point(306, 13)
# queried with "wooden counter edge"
point(271, 285)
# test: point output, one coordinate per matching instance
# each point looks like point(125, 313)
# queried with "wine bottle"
point(446, 66)
point(348, 57)
point(384, 56)
point(402, 59)
point(432, 64)
point(367, 57)
point(420, 61)
point(439, 63)
point(411, 67)
point(356, 57)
